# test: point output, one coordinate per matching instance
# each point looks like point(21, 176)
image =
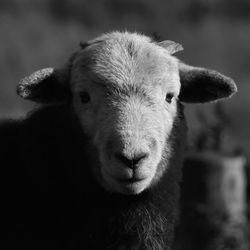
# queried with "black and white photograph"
point(125, 125)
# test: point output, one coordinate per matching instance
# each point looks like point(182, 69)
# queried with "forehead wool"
point(127, 59)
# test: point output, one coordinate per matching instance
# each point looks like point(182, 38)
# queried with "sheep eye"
point(85, 97)
point(169, 97)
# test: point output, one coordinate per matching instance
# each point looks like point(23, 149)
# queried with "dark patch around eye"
point(169, 97)
point(85, 97)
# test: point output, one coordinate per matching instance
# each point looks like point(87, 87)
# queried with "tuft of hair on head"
point(83, 45)
point(156, 37)
point(171, 46)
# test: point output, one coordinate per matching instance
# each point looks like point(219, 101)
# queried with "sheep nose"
point(131, 162)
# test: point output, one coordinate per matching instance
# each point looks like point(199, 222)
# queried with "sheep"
point(98, 164)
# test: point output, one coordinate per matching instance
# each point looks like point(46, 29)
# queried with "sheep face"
point(125, 96)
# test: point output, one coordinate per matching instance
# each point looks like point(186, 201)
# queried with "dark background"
point(216, 34)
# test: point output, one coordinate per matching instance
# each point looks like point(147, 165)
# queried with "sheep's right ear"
point(45, 86)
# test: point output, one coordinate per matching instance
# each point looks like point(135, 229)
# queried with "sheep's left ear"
point(200, 85)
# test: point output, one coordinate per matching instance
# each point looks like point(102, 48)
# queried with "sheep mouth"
point(130, 180)
point(127, 183)
point(131, 186)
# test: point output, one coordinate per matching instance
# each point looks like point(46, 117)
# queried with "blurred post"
point(227, 202)
point(214, 202)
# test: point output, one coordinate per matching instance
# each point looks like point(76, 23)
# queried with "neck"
point(144, 221)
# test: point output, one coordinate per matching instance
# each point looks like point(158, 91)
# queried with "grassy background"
point(215, 34)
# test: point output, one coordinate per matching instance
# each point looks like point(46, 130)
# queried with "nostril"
point(131, 162)
point(139, 158)
point(125, 160)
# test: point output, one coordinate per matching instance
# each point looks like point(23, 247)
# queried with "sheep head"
point(126, 90)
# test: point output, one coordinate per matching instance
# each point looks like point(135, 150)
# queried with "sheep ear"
point(45, 86)
point(199, 85)
point(171, 46)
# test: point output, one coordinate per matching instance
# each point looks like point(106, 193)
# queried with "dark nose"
point(131, 162)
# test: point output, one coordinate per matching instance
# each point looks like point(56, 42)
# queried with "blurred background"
point(215, 34)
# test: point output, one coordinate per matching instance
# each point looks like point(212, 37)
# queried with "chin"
point(132, 189)
point(130, 186)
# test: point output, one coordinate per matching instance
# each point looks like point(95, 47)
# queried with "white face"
point(128, 114)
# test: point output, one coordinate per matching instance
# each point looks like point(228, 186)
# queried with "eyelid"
point(170, 94)
point(169, 97)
